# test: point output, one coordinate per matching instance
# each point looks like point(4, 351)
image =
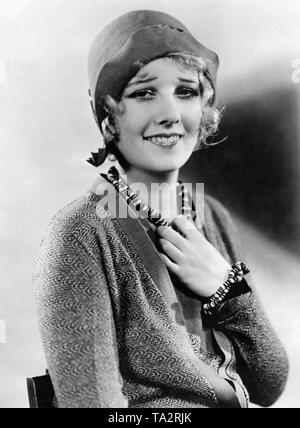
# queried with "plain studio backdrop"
point(47, 131)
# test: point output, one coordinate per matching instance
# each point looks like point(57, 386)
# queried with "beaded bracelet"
point(235, 276)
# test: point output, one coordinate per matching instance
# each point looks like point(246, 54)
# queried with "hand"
point(194, 260)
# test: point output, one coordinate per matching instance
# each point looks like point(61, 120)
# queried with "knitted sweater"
point(111, 338)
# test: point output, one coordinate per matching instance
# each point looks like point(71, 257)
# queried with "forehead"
point(164, 68)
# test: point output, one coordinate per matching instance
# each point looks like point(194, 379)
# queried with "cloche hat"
point(132, 40)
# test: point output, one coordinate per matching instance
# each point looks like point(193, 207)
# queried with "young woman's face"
point(162, 110)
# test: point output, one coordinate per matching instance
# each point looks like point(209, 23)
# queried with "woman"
point(152, 308)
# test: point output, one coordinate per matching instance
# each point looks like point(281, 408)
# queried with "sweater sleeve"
point(262, 361)
point(76, 319)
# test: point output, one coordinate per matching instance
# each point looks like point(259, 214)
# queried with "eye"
point(186, 92)
point(142, 95)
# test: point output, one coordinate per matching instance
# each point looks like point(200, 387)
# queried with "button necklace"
point(139, 206)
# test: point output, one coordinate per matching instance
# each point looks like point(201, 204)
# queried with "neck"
point(156, 189)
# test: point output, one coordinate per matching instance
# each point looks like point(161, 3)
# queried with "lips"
point(164, 135)
point(164, 141)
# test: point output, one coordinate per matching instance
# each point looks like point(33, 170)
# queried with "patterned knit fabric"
point(107, 332)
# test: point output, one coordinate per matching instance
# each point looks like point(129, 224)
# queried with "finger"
point(172, 236)
point(185, 226)
point(173, 267)
point(170, 250)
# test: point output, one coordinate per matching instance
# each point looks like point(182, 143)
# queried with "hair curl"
point(211, 114)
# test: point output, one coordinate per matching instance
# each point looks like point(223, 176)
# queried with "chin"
point(167, 165)
point(174, 162)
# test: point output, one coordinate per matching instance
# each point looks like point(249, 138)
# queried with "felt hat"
point(132, 39)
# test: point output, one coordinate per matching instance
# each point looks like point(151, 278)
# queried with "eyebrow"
point(150, 79)
point(137, 82)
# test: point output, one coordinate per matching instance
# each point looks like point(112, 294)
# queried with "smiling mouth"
point(171, 140)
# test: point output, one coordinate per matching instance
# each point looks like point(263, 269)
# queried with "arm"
point(202, 264)
point(76, 320)
point(261, 359)
point(262, 362)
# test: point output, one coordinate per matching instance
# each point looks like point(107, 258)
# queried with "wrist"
point(235, 277)
point(219, 278)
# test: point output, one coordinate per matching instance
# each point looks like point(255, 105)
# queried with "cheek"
point(192, 121)
point(131, 121)
point(125, 125)
point(192, 114)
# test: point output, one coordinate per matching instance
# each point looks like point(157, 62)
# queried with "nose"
point(168, 111)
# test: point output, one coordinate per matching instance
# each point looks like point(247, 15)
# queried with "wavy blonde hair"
point(211, 114)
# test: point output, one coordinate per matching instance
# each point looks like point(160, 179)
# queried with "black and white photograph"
point(150, 206)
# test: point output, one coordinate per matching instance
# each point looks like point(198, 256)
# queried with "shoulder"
point(75, 227)
point(85, 211)
point(75, 215)
point(219, 224)
point(216, 210)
